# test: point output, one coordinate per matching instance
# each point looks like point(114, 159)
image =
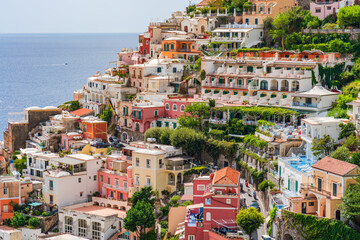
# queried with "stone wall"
point(35, 117)
point(48, 222)
point(18, 133)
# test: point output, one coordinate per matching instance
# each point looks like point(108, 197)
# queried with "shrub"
point(165, 192)
point(265, 185)
point(34, 222)
point(163, 224)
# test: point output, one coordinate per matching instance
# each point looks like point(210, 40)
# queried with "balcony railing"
point(286, 89)
point(299, 104)
point(177, 168)
point(116, 187)
point(171, 182)
point(315, 189)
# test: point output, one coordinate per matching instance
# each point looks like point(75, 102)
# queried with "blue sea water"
point(44, 69)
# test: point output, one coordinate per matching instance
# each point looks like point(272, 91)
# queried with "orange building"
point(94, 128)
point(12, 191)
point(179, 48)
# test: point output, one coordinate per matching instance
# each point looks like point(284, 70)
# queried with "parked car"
point(255, 204)
point(119, 145)
point(266, 237)
point(113, 139)
point(101, 145)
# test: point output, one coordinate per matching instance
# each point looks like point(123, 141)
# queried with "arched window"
point(69, 224)
point(167, 106)
point(175, 108)
point(264, 85)
point(137, 127)
point(182, 107)
point(208, 216)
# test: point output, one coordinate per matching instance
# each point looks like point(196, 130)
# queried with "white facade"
point(91, 222)
point(39, 162)
point(72, 186)
point(318, 127)
point(355, 112)
point(99, 88)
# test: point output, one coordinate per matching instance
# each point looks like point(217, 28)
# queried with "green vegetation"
point(20, 164)
point(265, 185)
point(249, 220)
point(141, 214)
point(34, 222)
point(18, 220)
point(106, 114)
point(255, 142)
point(70, 106)
point(191, 141)
point(194, 114)
point(258, 112)
point(323, 146)
point(351, 201)
point(196, 170)
point(215, 147)
point(162, 135)
point(255, 174)
point(341, 153)
point(349, 16)
point(346, 130)
point(311, 227)
point(272, 214)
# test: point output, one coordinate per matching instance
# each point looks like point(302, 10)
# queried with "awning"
point(35, 204)
point(249, 45)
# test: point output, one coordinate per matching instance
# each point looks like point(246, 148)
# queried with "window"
point(201, 187)
point(101, 178)
point(191, 237)
point(68, 224)
point(208, 201)
point(95, 177)
point(174, 107)
point(328, 8)
point(79, 180)
point(125, 186)
point(51, 185)
point(6, 208)
point(319, 184)
point(160, 163)
point(134, 114)
point(256, 21)
point(51, 199)
point(148, 163)
point(156, 113)
point(117, 183)
point(108, 180)
point(137, 180)
point(167, 106)
point(137, 162)
point(228, 201)
point(182, 107)
point(159, 69)
point(82, 227)
point(81, 194)
point(335, 189)
point(5, 191)
point(208, 216)
point(318, 10)
point(311, 204)
point(148, 181)
point(174, 70)
point(296, 186)
point(96, 228)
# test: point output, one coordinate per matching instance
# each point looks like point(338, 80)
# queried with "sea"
point(44, 69)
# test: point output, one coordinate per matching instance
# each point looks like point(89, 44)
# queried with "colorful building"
point(144, 114)
point(216, 204)
point(179, 48)
point(115, 180)
point(94, 128)
point(12, 191)
point(323, 195)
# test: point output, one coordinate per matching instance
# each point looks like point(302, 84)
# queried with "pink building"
point(115, 180)
point(70, 140)
point(125, 58)
point(323, 8)
point(146, 116)
point(216, 204)
point(174, 107)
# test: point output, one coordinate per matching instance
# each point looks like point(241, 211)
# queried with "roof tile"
point(82, 112)
point(334, 166)
point(227, 176)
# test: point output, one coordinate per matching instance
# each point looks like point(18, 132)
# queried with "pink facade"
point(174, 107)
point(68, 140)
point(115, 180)
point(323, 8)
point(143, 116)
point(125, 58)
point(216, 204)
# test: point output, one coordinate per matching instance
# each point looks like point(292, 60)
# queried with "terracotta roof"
point(2, 159)
point(82, 112)
point(334, 166)
point(226, 176)
point(204, 3)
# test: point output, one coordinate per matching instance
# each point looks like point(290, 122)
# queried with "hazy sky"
point(83, 16)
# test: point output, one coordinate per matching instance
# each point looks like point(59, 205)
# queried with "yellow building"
point(262, 9)
point(322, 197)
point(153, 167)
point(91, 150)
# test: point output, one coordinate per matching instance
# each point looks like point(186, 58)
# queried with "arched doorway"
point(288, 237)
point(202, 29)
point(186, 29)
point(337, 214)
point(124, 136)
point(171, 179)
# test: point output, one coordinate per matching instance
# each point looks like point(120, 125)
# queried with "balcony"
point(309, 105)
point(171, 182)
point(177, 168)
point(255, 88)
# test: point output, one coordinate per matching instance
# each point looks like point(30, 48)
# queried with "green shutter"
point(280, 171)
point(139, 115)
point(134, 114)
point(174, 125)
point(289, 183)
point(296, 186)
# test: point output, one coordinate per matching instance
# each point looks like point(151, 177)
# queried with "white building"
point(100, 89)
point(355, 113)
point(72, 181)
point(38, 162)
point(318, 127)
point(90, 221)
point(316, 99)
point(238, 35)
